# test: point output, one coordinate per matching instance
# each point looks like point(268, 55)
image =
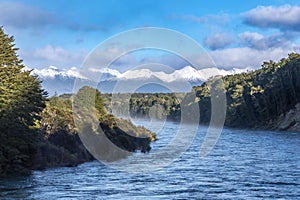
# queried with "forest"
point(37, 131)
point(254, 99)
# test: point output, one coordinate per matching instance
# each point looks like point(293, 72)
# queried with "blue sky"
point(236, 34)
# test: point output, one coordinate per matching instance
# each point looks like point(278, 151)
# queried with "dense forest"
point(256, 99)
point(38, 132)
point(21, 101)
point(139, 105)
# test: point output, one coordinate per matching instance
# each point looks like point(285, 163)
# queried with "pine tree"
point(21, 101)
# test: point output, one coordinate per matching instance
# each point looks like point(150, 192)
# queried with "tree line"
point(253, 98)
point(38, 132)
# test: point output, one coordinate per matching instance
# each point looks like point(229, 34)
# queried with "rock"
point(61, 149)
point(289, 121)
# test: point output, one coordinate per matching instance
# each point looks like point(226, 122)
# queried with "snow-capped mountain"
point(62, 80)
point(52, 72)
point(187, 73)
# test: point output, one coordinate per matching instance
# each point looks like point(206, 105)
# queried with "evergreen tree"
point(21, 101)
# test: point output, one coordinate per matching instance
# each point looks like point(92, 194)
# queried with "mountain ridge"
point(56, 80)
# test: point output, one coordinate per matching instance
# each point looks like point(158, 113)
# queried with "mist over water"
point(243, 165)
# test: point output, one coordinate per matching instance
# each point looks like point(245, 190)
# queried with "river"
point(244, 164)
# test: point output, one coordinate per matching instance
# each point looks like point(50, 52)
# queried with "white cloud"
point(222, 18)
point(55, 53)
point(218, 41)
point(21, 16)
point(18, 15)
point(261, 42)
point(49, 55)
point(282, 17)
point(251, 36)
point(242, 57)
point(230, 58)
point(110, 56)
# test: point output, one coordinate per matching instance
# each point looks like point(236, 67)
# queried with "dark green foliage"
point(253, 98)
point(90, 98)
point(157, 106)
point(256, 97)
point(57, 116)
point(35, 137)
point(120, 132)
point(21, 101)
point(61, 144)
point(125, 141)
point(61, 148)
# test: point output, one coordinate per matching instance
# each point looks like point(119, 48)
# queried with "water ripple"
point(243, 165)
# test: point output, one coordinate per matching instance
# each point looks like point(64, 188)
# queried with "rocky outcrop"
point(126, 141)
point(289, 121)
point(60, 149)
point(63, 148)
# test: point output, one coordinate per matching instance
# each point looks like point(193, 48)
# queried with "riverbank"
point(289, 121)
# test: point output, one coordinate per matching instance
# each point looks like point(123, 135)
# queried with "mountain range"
point(59, 81)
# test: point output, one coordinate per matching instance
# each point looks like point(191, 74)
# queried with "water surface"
point(243, 165)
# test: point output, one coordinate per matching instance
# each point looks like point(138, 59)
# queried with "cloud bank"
point(52, 55)
point(284, 17)
point(260, 42)
point(218, 41)
point(20, 16)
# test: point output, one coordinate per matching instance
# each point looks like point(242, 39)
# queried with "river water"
point(244, 164)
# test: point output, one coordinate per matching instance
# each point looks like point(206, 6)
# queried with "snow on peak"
point(52, 72)
point(53, 68)
point(187, 73)
point(112, 72)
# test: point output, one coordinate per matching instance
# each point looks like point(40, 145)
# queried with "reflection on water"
point(243, 165)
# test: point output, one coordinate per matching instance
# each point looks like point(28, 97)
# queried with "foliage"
point(35, 134)
point(256, 97)
point(57, 116)
point(253, 98)
point(21, 101)
point(157, 106)
point(58, 124)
